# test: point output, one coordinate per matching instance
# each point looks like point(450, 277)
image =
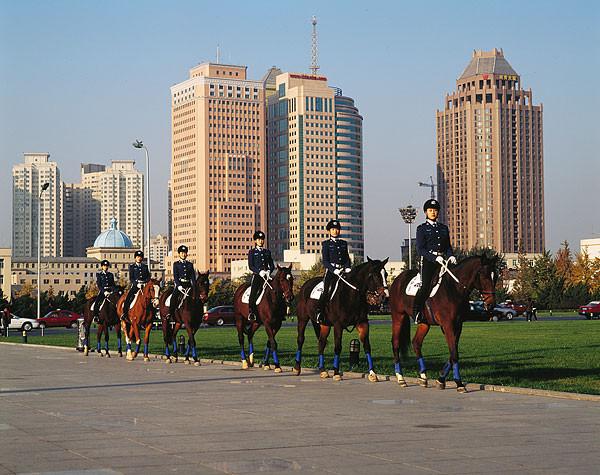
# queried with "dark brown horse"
point(6, 317)
point(365, 285)
point(445, 309)
point(189, 313)
point(139, 316)
point(107, 317)
point(278, 295)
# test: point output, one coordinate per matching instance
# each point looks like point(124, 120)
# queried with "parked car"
point(591, 310)
point(59, 318)
point(520, 308)
point(22, 323)
point(503, 311)
point(477, 312)
point(223, 315)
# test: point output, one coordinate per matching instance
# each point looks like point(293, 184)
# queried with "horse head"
point(202, 286)
point(484, 276)
point(284, 280)
point(150, 292)
point(376, 280)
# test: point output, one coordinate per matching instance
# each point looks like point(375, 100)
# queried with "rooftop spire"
point(314, 65)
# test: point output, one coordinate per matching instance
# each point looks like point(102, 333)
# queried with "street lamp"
point(409, 214)
point(140, 144)
point(39, 263)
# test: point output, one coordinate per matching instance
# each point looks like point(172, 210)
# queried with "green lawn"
point(556, 355)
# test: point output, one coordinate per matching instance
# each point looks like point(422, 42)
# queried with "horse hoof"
point(296, 371)
point(440, 384)
point(196, 363)
point(267, 367)
point(324, 374)
point(402, 383)
point(120, 355)
point(86, 352)
point(422, 382)
point(168, 361)
point(373, 377)
point(107, 354)
point(163, 357)
point(146, 359)
point(277, 369)
point(186, 362)
point(337, 377)
point(100, 354)
point(251, 359)
point(461, 388)
point(244, 364)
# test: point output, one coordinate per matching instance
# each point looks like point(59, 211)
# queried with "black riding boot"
point(252, 314)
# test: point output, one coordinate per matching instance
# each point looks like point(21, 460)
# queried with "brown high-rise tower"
point(490, 159)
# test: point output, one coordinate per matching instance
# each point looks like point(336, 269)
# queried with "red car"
point(59, 318)
point(223, 315)
point(517, 307)
point(591, 310)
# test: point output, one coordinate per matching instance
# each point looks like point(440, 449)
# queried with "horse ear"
point(278, 267)
point(385, 261)
point(369, 259)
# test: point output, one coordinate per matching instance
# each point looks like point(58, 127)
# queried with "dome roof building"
point(113, 237)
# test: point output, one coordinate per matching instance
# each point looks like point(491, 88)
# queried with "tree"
point(564, 261)
point(221, 292)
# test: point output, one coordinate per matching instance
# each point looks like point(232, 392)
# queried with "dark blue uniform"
point(335, 256)
point(259, 258)
point(184, 276)
point(433, 240)
point(106, 283)
point(139, 274)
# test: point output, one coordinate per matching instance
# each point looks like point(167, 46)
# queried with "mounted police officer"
point(139, 275)
point(184, 276)
point(106, 286)
point(336, 261)
point(261, 264)
point(433, 244)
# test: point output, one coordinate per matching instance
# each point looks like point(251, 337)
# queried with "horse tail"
point(405, 336)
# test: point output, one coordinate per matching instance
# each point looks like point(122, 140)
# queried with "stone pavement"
point(63, 413)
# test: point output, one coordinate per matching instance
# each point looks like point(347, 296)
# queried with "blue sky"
point(81, 80)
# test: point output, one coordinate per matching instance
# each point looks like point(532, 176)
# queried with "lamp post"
point(39, 262)
point(409, 214)
point(140, 144)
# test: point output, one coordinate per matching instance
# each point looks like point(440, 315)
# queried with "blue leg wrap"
point(267, 354)
point(398, 368)
point(128, 346)
point(321, 361)
point(106, 346)
point(243, 354)
point(167, 352)
point(98, 347)
point(187, 350)
point(421, 362)
point(456, 372)
point(119, 344)
point(174, 347)
point(369, 361)
point(298, 356)
point(145, 348)
point(275, 358)
point(251, 348)
point(336, 361)
point(137, 347)
point(194, 353)
point(446, 370)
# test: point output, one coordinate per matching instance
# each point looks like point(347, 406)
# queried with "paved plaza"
point(61, 412)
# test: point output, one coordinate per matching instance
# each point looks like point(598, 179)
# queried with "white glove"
point(439, 260)
point(180, 288)
point(140, 285)
point(337, 271)
point(264, 274)
point(106, 293)
point(452, 260)
point(347, 269)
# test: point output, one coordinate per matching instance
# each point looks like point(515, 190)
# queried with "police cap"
point(433, 204)
point(182, 248)
point(334, 223)
point(258, 235)
point(138, 254)
point(105, 263)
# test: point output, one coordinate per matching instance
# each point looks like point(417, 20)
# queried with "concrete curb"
point(355, 375)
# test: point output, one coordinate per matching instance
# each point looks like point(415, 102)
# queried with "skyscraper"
point(218, 164)
point(315, 164)
point(28, 178)
point(490, 159)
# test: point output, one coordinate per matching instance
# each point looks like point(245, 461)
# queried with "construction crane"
point(429, 185)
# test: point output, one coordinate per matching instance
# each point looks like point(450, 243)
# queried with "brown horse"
point(6, 318)
point(278, 295)
point(107, 317)
point(139, 316)
point(444, 309)
point(365, 285)
point(189, 313)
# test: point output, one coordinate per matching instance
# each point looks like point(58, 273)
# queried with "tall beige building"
point(218, 176)
point(28, 179)
point(490, 159)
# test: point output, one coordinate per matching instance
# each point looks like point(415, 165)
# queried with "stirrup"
point(96, 318)
point(419, 318)
point(251, 317)
point(319, 317)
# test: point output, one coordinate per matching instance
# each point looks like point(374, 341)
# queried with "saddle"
point(93, 306)
point(246, 295)
point(318, 289)
point(415, 283)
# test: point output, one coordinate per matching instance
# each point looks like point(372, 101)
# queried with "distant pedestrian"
point(530, 310)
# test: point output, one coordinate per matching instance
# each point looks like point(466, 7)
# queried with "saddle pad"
point(415, 284)
point(134, 299)
point(168, 300)
point(246, 295)
point(94, 305)
point(317, 290)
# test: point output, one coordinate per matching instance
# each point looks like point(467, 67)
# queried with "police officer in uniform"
point(261, 264)
point(106, 286)
point(433, 244)
point(184, 276)
point(336, 261)
point(139, 275)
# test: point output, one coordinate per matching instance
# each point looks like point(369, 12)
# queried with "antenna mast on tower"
point(314, 65)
